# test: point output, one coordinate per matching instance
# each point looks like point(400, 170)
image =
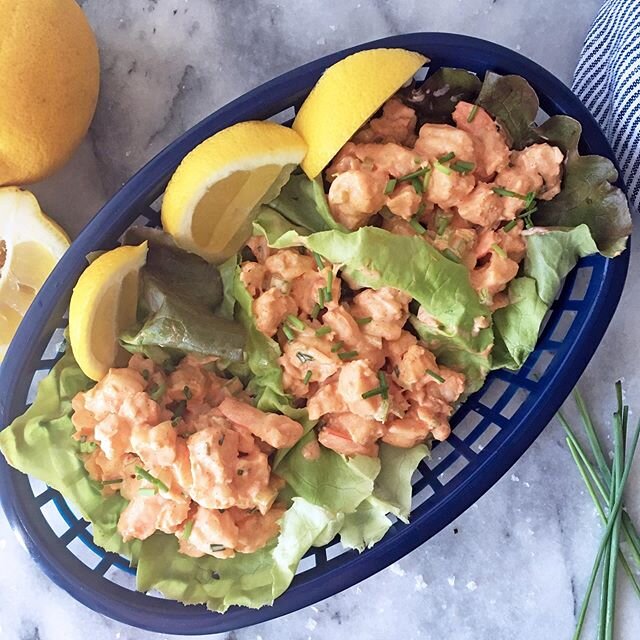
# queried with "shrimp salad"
point(285, 397)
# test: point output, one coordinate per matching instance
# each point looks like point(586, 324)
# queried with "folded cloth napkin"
point(607, 80)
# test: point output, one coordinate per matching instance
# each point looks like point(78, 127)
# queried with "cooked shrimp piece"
point(140, 408)
point(213, 454)
point(213, 533)
point(521, 183)
point(259, 247)
point(437, 140)
point(326, 400)
point(83, 420)
point(113, 434)
point(449, 189)
point(252, 480)
point(345, 160)
point(289, 264)
point(181, 467)
point(388, 158)
point(494, 276)
point(308, 352)
point(396, 124)
point(156, 446)
point(363, 431)
point(105, 469)
point(513, 242)
point(395, 349)
point(355, 195)
point(340, 442)
point(255, 530)
point(189, 381)
point(356, 378)
point(482, 206)
point(413, 367)
point(253, 276)
point(270, 309)
point(404, 201)
point(414, 428)
point(346, 330)
point(305, 289)
point(109, 394)
point(140, 363)
point(144, 515)
point(388, 309)
point(492, 152)
point(277, 430)
point(545, 161)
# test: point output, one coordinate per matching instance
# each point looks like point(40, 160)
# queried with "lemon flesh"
point(214, 195)
point(30, 246)
point(103, 304)
point(346, 96)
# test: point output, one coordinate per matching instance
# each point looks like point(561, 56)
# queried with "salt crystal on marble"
point(358, 590)
point(397, 569)
point(451, 580)
point(526, 484)
point(518, 47)
point(258, 637)
point(332, 27)
point(514, 478)
point(118, 635)
point(471, 585)
point(3, 544)
point(311, 624)
point(421, 585)
point(321, 41)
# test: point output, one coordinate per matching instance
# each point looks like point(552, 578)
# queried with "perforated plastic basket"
point(491, 431)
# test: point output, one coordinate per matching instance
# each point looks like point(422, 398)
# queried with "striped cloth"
point(607, 80)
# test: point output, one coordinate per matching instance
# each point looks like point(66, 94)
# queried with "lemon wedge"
point(30, 246)
point(215, 193)
point(346, 96)
point(103, 304)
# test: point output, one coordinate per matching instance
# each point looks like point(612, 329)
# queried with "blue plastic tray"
point(491, 431)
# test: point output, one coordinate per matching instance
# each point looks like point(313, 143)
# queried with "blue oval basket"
point(491, 430)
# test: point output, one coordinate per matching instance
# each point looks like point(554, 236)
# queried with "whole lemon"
point(49, 80)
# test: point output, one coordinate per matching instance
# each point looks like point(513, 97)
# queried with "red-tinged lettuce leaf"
point(436, 98)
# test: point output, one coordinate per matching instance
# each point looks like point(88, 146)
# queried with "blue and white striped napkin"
point(607, 80)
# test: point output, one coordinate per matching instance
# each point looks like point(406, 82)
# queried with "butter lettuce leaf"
point(40, 443)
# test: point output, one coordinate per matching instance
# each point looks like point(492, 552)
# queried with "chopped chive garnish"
point(240, 472)
point(348, 355)
point(143, 474)
point(507, 227)
point(442, 168)
point(147, 492)
point(414, 174)
point(372, 393)
point(435, 376)
point(321, 293)
point(188, 528)
point(296, 323)
point(318, 258)
point(187, 392)
point(329, 294)
point(447, 253)
point(417, 160)
point(426, 178)
point(156, 391)
point(118, 481)
point(307, 378)
point(447, 156)
point(442, 222)
point(322, 331)
point(217, 547)
point(391, 185)
point(221, 440)
point(529, 199)
point(87, 447)
point(337, 346)
point(177, 408)
point(472, 113)
point(316, 310)
point(463, 167)
point(383, 384)
point(145, 374)
point(416, 226)
point(288, 332)
point(499, 250)
point(507, 193)
point(416, 183)
point(304, 357)
point(362, 321)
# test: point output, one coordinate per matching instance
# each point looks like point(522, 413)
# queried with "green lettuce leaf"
point(40, 443)
point(517, 325)
point(437, 97)
point(364, 527)
point(304, 203)
point(252, 580)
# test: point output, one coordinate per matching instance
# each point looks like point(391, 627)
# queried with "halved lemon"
point(103, 304)
point(215, 193)
point(346, 96)
point(30, 245)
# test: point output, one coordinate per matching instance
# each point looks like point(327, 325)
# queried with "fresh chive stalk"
point(318, 258)
point(348, 355)
point(507, 193)
point(337, 346)
point(414, 174)
point(288, 332)
point(436, 376)
point(463, 167)
point(441, 168)
point(391, 185)
point(447, 157)
point(322, 331)
point(499, 250)
point(362, 321)
point(510, 225)
point(296, 323)
point(307, 378)
point(143, 474)
point(416, 226)
point(447, 253)
point(472, 113)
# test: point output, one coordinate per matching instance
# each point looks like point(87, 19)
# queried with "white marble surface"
point(522, 555)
